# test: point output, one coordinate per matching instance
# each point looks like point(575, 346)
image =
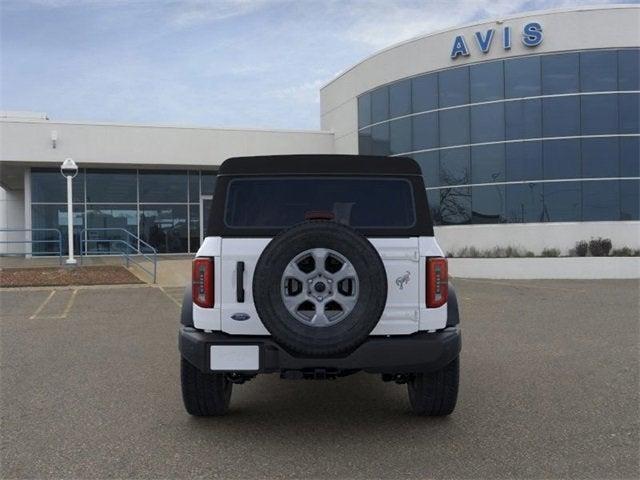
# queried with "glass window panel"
point(630, 157)
point(400, 133)
point(208, 182)
point(561, 116)
point(365, 145)
point(380, 139)
point(488, 204)
point(454, 127)
point(206, 212)
point(487, 81)
point(104, 186)
point(454, 166)
point(194, 187)
point(165, 227)
point(600, 157)
point(364, 110)
point(561, 159)
point(562, 201)
point(629, 69)
point(400, 98)
point(523, 161)
point(115, 218)
point(599, 71)
point(55, 216)
point(560, 73)
point(454, 87)
point(523, 119)
point(599, 114)
point(524, 203)
point(48, 185)
point(630, 200)
point(487, 163)
point(629, 112)
point(163, 186)
point(600, 200)
point(425, 131)
point(424, 93)
point(433, 197)
point(429, 163)
point(487, 123)
point(194, 227)
point(455, 206)
point(522, 77)
point(380, 104)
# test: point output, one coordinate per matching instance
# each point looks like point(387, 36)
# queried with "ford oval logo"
point(240, 317)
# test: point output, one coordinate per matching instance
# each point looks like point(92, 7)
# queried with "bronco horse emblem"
point(403, 279)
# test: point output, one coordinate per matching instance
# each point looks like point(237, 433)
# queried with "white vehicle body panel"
point(404, 260)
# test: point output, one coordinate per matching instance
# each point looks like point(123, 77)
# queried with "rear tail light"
point(202, 282)
point(437, 282)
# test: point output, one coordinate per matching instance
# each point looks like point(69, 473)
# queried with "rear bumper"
point(420, 352)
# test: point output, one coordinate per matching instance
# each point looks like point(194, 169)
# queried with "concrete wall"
point(11, 216)
point(576, 29)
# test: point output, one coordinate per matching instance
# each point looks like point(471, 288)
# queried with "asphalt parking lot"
point(549, 388)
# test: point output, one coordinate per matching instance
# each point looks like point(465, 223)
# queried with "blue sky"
point(244, 63)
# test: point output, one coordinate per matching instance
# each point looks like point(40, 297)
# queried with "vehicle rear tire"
point(435, 394)
point(204, 394)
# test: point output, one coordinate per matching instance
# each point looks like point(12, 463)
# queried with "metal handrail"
point(32, 241)
point(128, 257)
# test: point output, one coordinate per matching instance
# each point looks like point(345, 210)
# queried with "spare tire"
point(320, 288)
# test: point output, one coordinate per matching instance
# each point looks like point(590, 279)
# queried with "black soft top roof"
point(319, 164)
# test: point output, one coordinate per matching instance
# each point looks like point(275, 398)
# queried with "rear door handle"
point(240, 282)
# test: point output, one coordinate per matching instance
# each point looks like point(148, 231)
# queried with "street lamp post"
point(69, 169)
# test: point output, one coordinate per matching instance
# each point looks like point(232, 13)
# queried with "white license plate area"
point(234, 357)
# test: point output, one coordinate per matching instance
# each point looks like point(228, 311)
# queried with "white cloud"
point(194, 12)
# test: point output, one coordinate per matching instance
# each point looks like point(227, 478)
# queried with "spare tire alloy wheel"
point(320, 288)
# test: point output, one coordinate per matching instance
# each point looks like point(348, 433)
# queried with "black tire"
point(346, 335)
point(204, 394)
point(435, 394)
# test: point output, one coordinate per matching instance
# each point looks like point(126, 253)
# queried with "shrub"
point(625, 252)
point(581, 248)
point(600, 247)
point(550, 252)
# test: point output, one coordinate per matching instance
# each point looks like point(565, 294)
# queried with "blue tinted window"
point(487, 163)
point(365, 145)
point(599, 114)
point(364, 110)
point(560, 73)
point(55, 216)
point(208, 180)
point(379, 105)
point(630, 200)
point(163, 186)
point(429, 163)
point(487, 81)
point(380, 139)
point(561, 159)
point(601, 200)
point(600, 157)
point(629, 69)
point(598, 71)
point(194, 227)
point(524, 203)
point(455, 206)
point(105, 186)
point(630, 157)
point(165, 227)
point(424, 92)
point(425, 131)
point(454, 87)
point(488, 204)
point(454, 127)
point(561, 116)
point(487, 123)
point(194, 187)
point(113, 217)
point(400, 135)
point(522, 77)
point(629, 112)
point(562, 201)
point(48, 185)
point(523, 119)
point(400, 98)
point(454, 166)
point(433, 197)
point(523, 161)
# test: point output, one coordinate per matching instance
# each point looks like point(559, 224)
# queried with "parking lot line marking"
point(170, 297)
point(69, 304)
point(46, 300)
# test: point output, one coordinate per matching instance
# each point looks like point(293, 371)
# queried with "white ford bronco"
point(319, 266)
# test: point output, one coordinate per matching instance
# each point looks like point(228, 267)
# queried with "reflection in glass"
point(365, 145)
point(425, 131)
point(164, 227)
point(523, 161)
point(208, 182)
point(455, 206)
point(630, 200)
point(112, 186)
point(488, 204)
point(561, 116)
point(55, 216)
point(600, 157)
point(433, 198)
point(523, 119)
point(629, 112)
point(561, 159)
point(194, 187)
point(487, 81)
point(400, 136)
point(113, 217)
point(380, 104)
point(400, 98)
point(487, 123)
point(429, 164)
point(524, 203)
point(454, 127)
point(380, 139)
point(629, 69)
point(487, 163)
point(454, 87)
point(522, 77)
point(163, 186)
point(454, 166)
point(599, 114)
point(562, 201)
point(601, 200)
point(630, 157)
point(599, 71)
point(424, 93)
point(194, 227)
point(560, 73)
point(364, 110)
point(48, 185)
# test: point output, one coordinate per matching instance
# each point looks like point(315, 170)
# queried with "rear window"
point(360, 202)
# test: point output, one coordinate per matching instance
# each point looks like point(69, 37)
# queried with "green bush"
point(581, 248)
point(550, 252)
point(600, 247)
